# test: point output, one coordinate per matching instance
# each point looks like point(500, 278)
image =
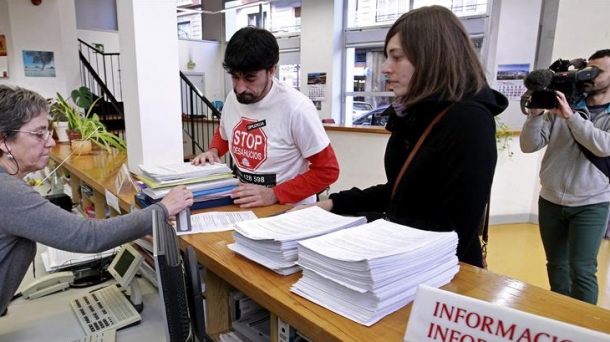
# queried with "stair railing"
point(200, 118)
point(101, 73)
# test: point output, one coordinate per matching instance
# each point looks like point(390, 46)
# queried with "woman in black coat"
point(431, 66)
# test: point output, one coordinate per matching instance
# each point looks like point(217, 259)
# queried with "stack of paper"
point(210, 183)
point(183, 171)
point(272, 241)
point(367, 272)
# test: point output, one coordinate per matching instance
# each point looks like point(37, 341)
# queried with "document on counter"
point(297, 225)
point(366, 272)
point(217, 221)
point(182, 170)
point(55, 259)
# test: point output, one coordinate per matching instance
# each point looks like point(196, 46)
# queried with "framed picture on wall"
point(3, 57)
point(39, 63)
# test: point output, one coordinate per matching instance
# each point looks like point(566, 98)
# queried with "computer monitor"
point(179, 287)
point(194, 295)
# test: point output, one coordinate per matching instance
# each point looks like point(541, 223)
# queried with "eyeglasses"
point(44, 135)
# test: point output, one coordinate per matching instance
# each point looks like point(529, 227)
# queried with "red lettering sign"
point(249, 147)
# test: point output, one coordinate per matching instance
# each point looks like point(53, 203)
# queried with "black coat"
point(448, 182)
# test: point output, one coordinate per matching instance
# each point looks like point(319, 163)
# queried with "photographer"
point(575, 194)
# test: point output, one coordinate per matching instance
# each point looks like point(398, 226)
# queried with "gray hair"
point(17, 107)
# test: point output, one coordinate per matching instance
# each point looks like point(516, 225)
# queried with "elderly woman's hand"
point(178, 199)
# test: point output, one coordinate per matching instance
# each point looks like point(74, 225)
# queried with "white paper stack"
point(272, 241)
point(208, 189)
point(211, 184)
point(367, 272)
point(185, 170)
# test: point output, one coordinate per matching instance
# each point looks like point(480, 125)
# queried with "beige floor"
point(516, 251)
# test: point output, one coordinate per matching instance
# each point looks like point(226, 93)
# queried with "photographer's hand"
point(563, 109)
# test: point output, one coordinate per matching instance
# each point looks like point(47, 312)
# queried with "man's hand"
point(209, 156)
point(251, 195)
point(563, 109)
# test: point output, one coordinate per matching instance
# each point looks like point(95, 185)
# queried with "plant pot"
point(60, 130)
point(81, 146)
point(73, 135)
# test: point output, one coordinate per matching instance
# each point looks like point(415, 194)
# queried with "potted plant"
point(83, 98)
point(59, 119)
point(503, 137)
point(90, 128)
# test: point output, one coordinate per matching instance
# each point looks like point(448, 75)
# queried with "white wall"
point(321, 50)
point(207, 56)
point(110, 39)
point(28, 27)
point(361, 155)
point(517, 43)
point(582, 28)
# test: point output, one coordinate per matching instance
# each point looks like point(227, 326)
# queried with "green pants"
point(571, 237)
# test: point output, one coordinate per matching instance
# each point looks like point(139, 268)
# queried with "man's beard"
point(249, 98)
point(246, 98)
point(596, 89)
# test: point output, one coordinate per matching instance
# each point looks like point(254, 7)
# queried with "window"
point(289, 74)
point(184, 29)
point(371, 13)
point(368, 13)
point(189, 20)
point(364, 38)
point(461, 8)
point(283, 19)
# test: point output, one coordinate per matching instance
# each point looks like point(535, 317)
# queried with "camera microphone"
point(538, 79)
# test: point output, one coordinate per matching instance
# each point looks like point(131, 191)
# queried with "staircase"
point(101, 73)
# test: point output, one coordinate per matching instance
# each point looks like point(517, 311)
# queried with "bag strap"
point(602, 163)
point(420, 141)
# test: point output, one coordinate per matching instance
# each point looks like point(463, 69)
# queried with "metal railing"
point(200, 117)
point(106, 65)
point(101, 73)
point(97, 68)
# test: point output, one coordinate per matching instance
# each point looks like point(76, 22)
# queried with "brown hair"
point(445, 60)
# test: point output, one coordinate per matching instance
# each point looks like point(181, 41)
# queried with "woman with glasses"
point(27, 218)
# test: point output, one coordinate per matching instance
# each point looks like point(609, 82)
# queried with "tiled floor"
point(515, 250)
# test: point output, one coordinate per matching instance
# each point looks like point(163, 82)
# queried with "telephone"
point(48, 284)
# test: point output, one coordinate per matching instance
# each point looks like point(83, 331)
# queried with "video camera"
point(566, 76)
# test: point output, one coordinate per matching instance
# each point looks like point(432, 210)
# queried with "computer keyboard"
point(104, 309)
point(104, 336)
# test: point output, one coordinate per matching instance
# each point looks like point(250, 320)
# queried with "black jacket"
point(448, 182)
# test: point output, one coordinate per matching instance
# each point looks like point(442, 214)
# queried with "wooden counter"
point(271, 290)
point(97, 171)
point(227, 270)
